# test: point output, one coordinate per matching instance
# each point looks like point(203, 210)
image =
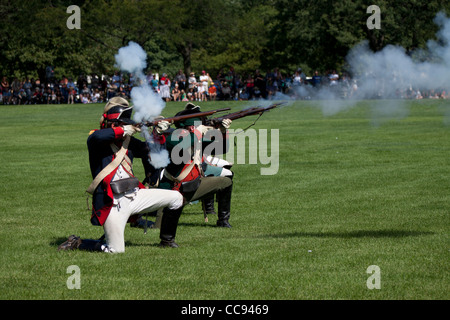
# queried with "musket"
point(183, 117)
point(259, 110)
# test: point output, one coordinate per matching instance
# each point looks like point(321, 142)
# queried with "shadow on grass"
point(198, 224)
point(352, 234)
point(57, 241)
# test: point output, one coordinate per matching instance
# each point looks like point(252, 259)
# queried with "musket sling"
point(120, 157)
point(196, 161)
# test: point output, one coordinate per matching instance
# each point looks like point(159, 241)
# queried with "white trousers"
point(218, 162)
point(137, 202)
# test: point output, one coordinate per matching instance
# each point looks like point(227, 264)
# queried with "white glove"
point(162, 126)
point(129, 130)
point(203, 129)
point(226, 123)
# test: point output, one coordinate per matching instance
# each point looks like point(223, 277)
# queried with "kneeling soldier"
point(185, 174)
point(117, 195)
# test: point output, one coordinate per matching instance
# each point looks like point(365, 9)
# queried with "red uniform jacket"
point(100, 155)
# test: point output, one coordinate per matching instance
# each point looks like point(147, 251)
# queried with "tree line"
point(204, 34)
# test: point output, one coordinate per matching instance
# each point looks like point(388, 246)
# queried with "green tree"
point(319, 34)
point(200, 26)
point(204, 34)
point(246, 38)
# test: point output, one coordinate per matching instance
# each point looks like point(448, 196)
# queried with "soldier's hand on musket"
point(226, 123)
point(162, 126)
point(130, 130)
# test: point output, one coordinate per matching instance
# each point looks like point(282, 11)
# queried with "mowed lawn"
point(351, 191)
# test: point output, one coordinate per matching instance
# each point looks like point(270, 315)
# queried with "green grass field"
point(351, 191)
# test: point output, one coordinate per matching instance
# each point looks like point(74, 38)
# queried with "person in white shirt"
point(203, 88)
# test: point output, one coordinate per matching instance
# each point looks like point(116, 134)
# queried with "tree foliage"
point(319, 34)
point(204, 34)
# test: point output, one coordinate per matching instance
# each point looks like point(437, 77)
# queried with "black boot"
point(142, 223)
point(91, 245)
point(169, 224)
point(208, 205)
point(224, 200)
point(74, 242)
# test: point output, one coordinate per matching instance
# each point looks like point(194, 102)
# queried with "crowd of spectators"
point(88, 89)
point(226, 85)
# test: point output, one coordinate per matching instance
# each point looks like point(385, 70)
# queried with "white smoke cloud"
point(392, 72)
point(388, 74)
point(159, 156)
point(147, 104)
point(132, 59)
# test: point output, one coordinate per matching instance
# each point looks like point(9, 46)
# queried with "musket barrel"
point(184, 117)
point(244, 113)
